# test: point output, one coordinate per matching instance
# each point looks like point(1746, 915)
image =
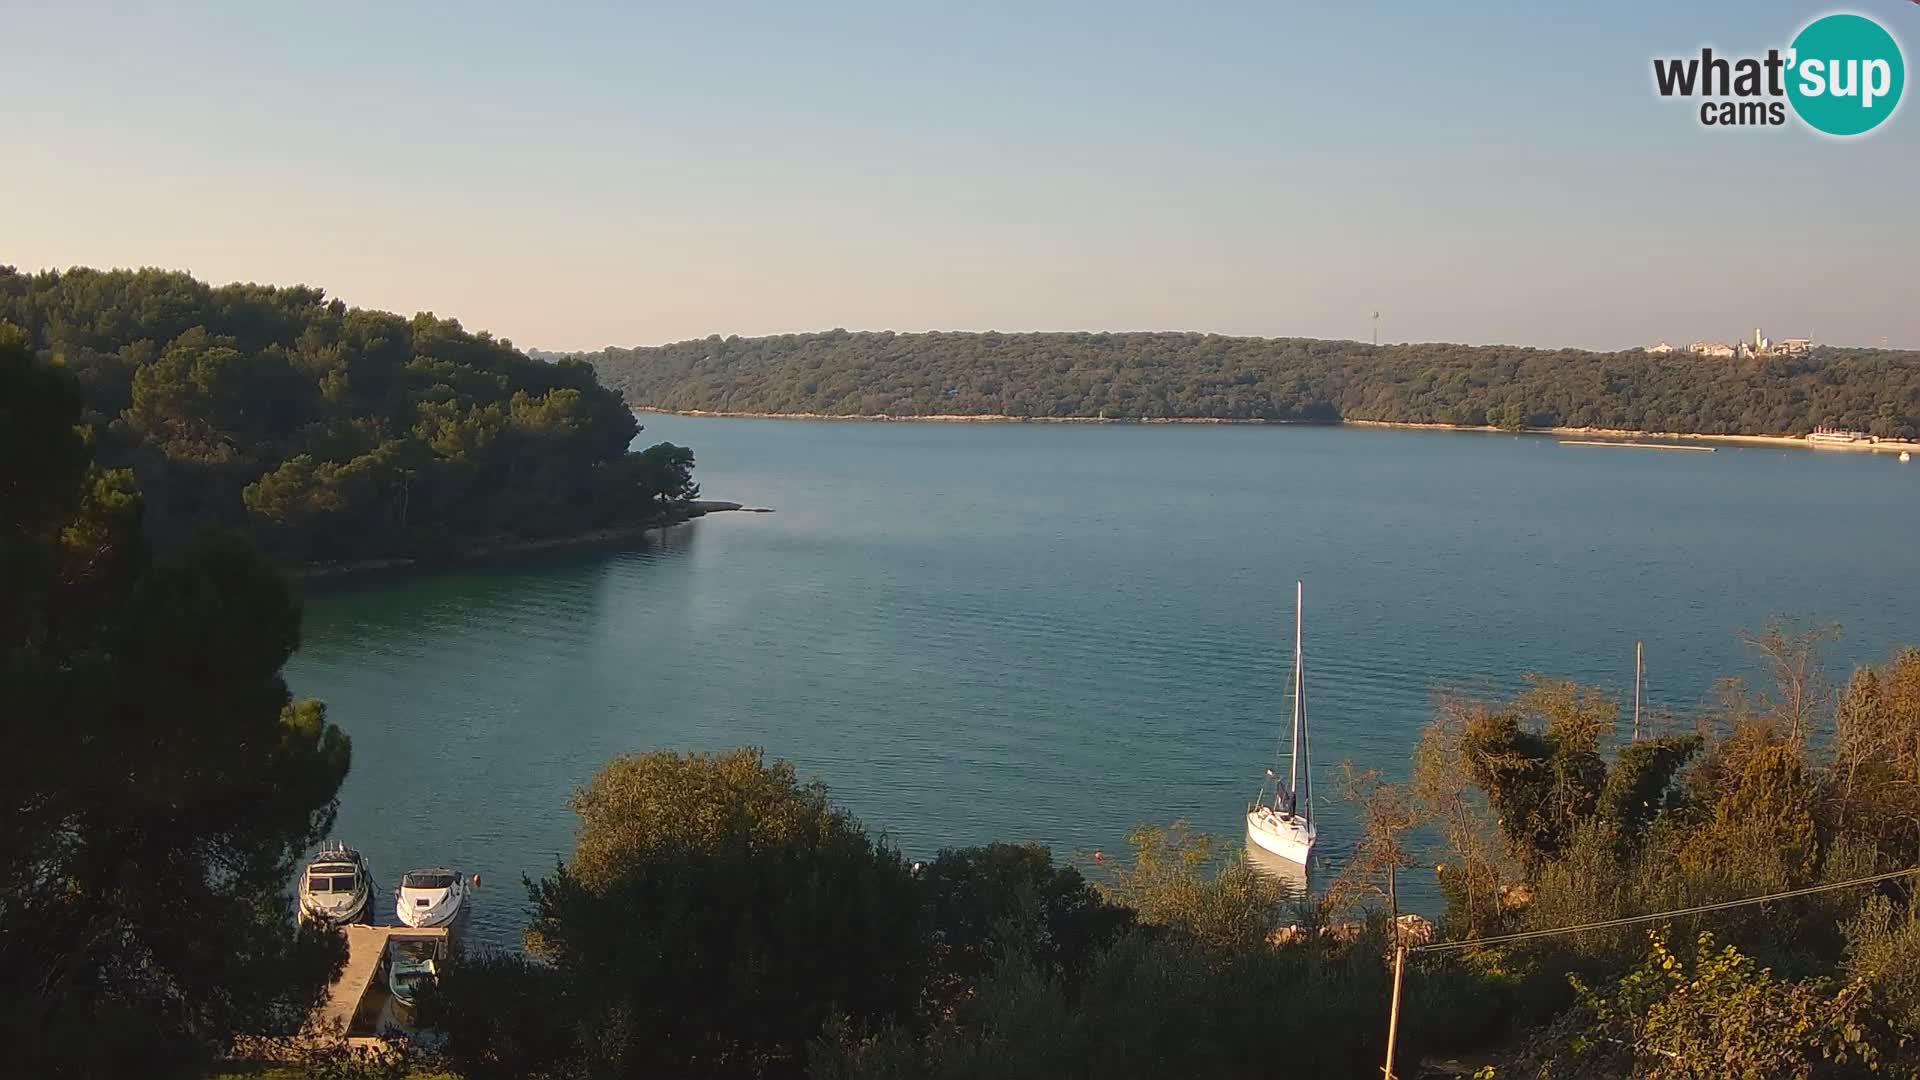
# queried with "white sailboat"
point(1281, 818)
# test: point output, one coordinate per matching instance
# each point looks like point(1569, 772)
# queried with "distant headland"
point(1771, 393)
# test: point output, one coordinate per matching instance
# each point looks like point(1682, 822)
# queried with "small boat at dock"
point(413, 961)
point(430, 897)
point(336, 888)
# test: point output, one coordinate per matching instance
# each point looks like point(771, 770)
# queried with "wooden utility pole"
point(1636, 691)
point(1393, 1017)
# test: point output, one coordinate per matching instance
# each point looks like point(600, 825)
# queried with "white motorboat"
point(431, 897)
point(1280, 820)
point(335, 888)
point(413, 962)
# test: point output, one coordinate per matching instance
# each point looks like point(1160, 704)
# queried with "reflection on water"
point(499, 578)
point(1291, 875)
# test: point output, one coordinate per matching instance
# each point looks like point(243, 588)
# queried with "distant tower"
point(1376, 329)
point(1758, 341)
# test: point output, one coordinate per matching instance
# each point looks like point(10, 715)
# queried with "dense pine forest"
point(1137, 376)
point(324, 432)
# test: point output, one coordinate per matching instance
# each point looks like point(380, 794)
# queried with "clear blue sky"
point(574, 176)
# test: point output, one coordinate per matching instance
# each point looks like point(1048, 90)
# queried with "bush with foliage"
point(1792, 787)
point(1713, 1012)
point(1196, 987)
point(984, 904)
point(716, 912)
point(721, 918)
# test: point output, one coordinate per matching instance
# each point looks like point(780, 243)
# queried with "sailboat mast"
point(1304, 795)
point(1299, 715)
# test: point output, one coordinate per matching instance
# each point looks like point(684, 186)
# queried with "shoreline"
point(502, 546)
point(1884, 446)
point(970, 418)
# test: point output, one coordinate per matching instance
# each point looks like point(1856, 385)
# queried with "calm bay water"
point(1054, 632)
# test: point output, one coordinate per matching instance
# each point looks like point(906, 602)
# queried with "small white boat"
point(1906, 455)
point(431, 897)
point(335, 888)
point(1280, 820)
point(413, 962)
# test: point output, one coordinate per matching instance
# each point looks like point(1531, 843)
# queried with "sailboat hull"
point(1289, 837)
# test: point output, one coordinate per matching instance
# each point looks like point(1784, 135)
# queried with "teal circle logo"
point(1846, 76)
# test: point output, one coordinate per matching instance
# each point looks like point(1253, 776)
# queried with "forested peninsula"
point(1171, 376)
point(326, 433)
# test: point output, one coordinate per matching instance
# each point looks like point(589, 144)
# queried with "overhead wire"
point(1660, 916)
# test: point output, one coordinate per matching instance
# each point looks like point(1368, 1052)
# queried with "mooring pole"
point(1637, 678)
point(1393, 1016)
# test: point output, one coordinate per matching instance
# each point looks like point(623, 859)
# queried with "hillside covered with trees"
point(1135, 376)
point(327, 432)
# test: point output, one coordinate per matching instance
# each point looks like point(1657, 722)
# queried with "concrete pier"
point(357, 1004)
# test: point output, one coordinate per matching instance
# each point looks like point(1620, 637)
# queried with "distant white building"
point(1759, 345)
point(1831, 435)
point(1765, 346)
point(1659, 348)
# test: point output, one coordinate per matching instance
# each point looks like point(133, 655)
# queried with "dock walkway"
point(358, 1012)
point(352, 1006)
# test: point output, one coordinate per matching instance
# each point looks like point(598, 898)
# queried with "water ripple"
point(1055, 633)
